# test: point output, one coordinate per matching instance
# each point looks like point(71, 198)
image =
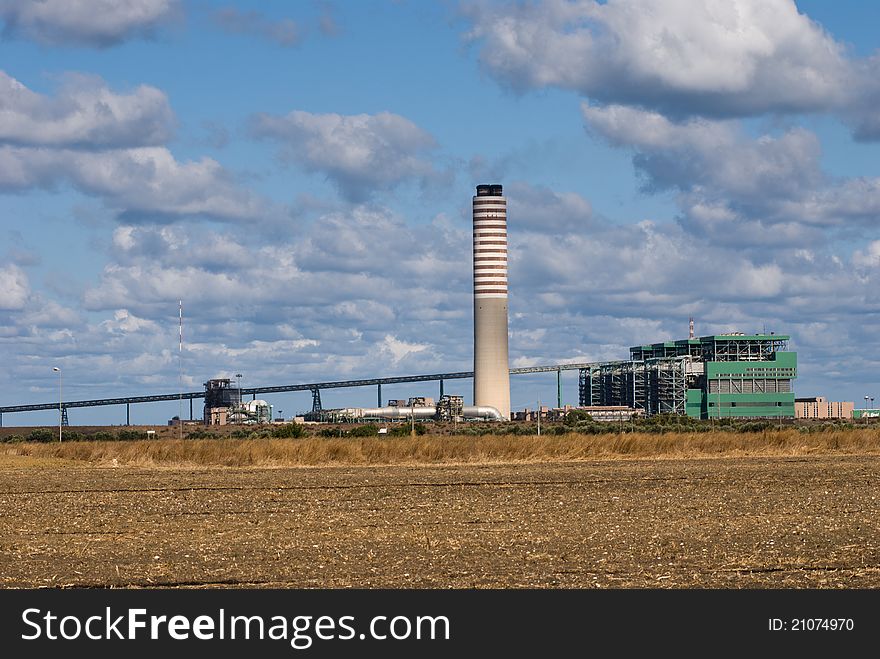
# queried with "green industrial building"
point(718, 376)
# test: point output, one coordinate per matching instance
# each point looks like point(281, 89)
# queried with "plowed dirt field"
point(807, 522)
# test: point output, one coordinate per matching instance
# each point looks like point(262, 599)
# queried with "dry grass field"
point(439, 449)
point(778, 509)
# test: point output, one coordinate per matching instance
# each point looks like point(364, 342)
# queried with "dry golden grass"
point(452, 449)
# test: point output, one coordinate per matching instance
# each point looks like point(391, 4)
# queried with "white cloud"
point(299, 311)
point(682, 57)
point(749, 56)
point(106, 144)
point(361, 153)
point(84, 114)
point(869, 257)
point(14, 288)
point(734, 187)
point(84, 22)
point(123, 322)
point(147, 182)
point(540, 209)
point(401, 349)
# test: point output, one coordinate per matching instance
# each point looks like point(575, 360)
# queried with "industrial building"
point(224, 405)
point(818, 407)
point(448, 408)
point(597, 413)
point(717, 376)
point(491, 369)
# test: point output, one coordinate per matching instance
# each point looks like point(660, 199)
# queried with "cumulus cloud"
point(14, 287)
point(284, 32)
point(611, 287)
point(399, 350)
point(363, 293)
point(108, 144)
point(142, 183)
point(770, 188)
point(314, 308)
point(98, 23)
point(360, 153)
point(539, 208)
point(348, 278)
point(683, 58)
point(869, 257)
point(84, 114)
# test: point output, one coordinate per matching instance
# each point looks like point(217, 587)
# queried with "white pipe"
point(398, 412)
point(481, 412)
point(427, 412)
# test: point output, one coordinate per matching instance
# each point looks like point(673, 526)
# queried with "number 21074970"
point(811, 624)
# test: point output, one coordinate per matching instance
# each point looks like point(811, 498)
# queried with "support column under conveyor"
point(559, 388)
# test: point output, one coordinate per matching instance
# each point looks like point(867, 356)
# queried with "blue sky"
point(300, 175)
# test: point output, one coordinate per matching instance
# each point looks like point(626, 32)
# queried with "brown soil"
point(730, 522)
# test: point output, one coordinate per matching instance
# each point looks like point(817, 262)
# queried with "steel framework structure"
point(314, 387)
point(731, 374)
point(655, 386)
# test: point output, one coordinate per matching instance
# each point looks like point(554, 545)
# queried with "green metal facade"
point(743, 389)
point(716, 376)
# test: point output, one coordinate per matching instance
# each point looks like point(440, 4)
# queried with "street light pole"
point(60, 408)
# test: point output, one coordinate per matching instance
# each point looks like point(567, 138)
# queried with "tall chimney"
point(491, 368)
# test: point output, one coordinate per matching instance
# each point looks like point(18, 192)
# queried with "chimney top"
point(492, 190)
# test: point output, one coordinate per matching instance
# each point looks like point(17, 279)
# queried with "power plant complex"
point(716, 376)
point(733, 375)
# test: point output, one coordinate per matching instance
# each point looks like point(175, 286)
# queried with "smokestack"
point(691, 333)
point(491, 369)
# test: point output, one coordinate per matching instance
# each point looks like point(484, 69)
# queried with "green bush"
point(289, 430)
point(331, 432)
point(42, 435)
point(596, 427)
point(573, 417)
point(756, 426)
point(130, 435)
point(200, 434)
point(12, 439)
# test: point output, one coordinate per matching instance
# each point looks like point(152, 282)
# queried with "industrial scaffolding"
point(655, 385)
point(723, 374)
